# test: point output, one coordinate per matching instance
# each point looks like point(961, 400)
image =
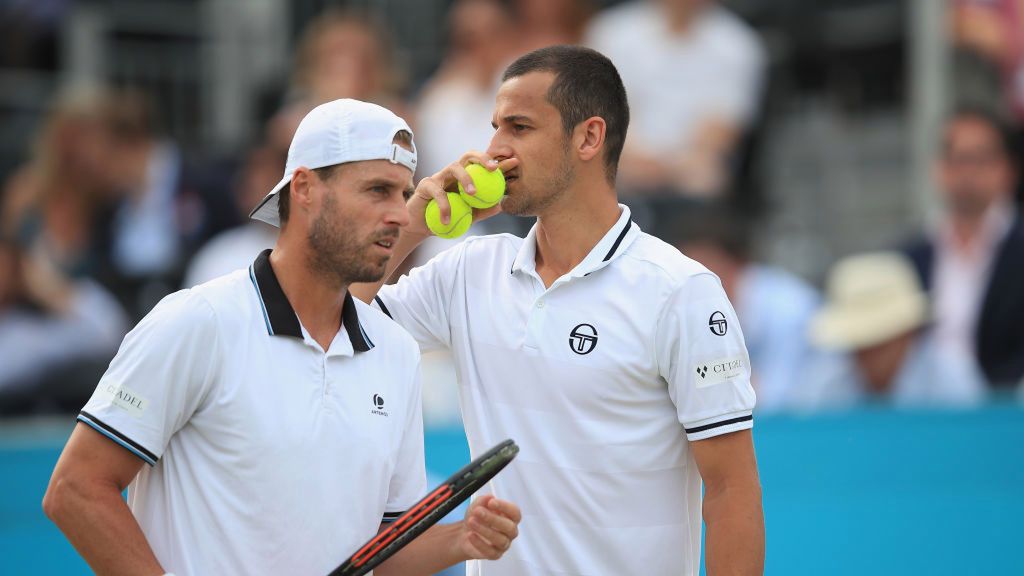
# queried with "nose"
point(499, 148)
point(398, 213)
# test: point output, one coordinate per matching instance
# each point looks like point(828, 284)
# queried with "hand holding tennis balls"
point(490, 186)
point(461, 219)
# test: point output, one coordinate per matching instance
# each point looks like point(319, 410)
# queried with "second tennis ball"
point(490, 187)
point(462, 217)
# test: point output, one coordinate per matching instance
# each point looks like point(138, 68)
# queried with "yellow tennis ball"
point(462, 217)
point(490, 187)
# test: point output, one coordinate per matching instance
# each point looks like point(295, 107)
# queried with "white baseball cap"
point(337, 132)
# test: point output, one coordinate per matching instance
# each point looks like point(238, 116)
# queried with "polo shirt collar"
point(611, 246)
point(280, 316)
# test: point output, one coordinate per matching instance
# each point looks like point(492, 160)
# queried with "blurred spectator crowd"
point(108, 214)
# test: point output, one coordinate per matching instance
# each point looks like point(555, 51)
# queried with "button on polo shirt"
point(266, 454)
point(603, 378)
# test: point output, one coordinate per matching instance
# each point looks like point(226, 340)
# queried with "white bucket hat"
point(871, 298)
point(337, 132)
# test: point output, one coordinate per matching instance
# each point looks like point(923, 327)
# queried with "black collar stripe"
point(360, 343)
point(266, 319)
point(383, 308)
point(280, 316)
point(618, 241)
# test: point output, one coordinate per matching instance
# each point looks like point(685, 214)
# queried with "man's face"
point(975, 170)
point(361, 210)
point(529, 128)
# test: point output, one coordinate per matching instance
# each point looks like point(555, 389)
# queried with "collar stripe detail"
point(618, 241)
point(718, 424)
point(356, 334)
point(280, 316)
point(125, 442)
point(263, 308)
point(383, 308)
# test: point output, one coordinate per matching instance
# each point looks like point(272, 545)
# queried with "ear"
point(303, 189)
point(588, 138)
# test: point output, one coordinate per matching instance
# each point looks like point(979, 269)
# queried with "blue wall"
point(870, 492)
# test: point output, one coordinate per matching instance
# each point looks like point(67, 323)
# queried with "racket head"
point(429, 510)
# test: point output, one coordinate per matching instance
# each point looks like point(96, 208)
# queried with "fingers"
point(492, 525)
point(432, 188)
point(505, 508)
point(437, 186)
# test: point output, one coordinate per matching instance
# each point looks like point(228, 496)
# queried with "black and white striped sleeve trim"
point(719, 425)
point(390, 517)
point(125, 442)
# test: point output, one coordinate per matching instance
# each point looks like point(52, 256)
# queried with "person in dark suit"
point(972, 263)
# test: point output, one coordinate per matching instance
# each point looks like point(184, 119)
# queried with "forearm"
point(97, 522)
point(735, 531)
point(435, 550)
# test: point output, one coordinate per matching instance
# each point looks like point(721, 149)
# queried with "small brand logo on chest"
point(378, 406)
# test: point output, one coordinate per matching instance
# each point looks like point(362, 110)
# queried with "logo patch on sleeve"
point(127, 399)
point(718, 371)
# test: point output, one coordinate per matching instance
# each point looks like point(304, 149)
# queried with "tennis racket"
point(425, 513)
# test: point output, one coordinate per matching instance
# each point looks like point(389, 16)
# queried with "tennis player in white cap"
point(266, 422)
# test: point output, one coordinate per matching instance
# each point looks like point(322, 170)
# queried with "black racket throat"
point(429, 510)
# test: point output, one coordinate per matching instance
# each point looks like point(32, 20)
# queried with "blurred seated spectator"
point(59, 202)
point(994, 30)
point(347, 54)
point(774, 307)
point(453, 111)
point(238, 247)
point(541, 23)
point(972, 263)
point(57, 334)
point(693, 73)
point(164, 212)
point(876, 318)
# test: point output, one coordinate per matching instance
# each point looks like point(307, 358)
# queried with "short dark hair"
point(1005, 134)
point(586, 85)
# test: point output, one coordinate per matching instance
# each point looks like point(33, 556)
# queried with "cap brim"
point(267, 209)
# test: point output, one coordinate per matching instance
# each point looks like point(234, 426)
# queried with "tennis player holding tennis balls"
point(615, 362)
point(266, 422)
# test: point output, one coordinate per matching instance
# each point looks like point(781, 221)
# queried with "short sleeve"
point(703, 358)
point(421, 302)
point(409, 480)
point(160, 375)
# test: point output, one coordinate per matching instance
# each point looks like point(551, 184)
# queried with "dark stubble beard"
point(335, 252)
point(526, 204)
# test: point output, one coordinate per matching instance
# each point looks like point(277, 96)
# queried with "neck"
point(568, 231)
point(316, 300)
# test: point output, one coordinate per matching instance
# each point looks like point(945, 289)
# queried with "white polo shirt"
point(603, 380)
point(266, 454)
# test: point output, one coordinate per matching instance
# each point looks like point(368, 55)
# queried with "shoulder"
point(487, 248)
point(493, 243)
point(660, 259)
point(732, 33)
point(382, 330)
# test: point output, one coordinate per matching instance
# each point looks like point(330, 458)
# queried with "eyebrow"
point(512, 119)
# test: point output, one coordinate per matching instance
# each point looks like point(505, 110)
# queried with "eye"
point(407, 194)
point(382, 190)
point(520, 127)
